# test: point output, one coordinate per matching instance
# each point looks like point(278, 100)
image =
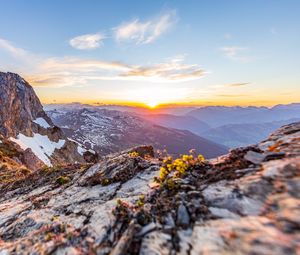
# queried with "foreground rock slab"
point(245, 202)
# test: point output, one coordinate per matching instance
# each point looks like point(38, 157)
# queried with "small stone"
point(222, 213)
point(183, 218)
point(169, 221)
point(147, 229)
point(254, 157)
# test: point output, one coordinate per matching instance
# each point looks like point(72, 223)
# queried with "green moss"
point(61, 180)
point(105, 182)
point(141, 201)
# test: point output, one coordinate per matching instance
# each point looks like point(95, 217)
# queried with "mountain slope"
point(216, 116)
point(24, 123)
point(107, 131)
point(237, 135)
point(179, 122)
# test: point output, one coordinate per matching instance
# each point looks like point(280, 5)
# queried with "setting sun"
point(152, 104)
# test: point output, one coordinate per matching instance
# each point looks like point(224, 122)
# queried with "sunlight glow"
point(155, 96)
point(152, 104)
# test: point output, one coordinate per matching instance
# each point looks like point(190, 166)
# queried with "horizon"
point(162, 106)
point(155, 54)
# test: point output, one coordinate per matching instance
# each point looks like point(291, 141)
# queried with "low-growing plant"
point(122, 210)
point(179, 166)
point(61, 180)
point(105, 182)
point(141, 201)
point(133, 154)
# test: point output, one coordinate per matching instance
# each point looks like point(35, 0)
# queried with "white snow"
point(42, 122)
point(40, 145)
point(81, 150)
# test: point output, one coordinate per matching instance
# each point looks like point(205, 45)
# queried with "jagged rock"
point(19, 106)
point(24, 122)
point(233, 206)
point(30, 160)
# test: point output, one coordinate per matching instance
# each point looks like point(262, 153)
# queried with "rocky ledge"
point(246, 202)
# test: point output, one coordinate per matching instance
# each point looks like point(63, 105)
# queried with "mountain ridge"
point(24, 123)
point(108, 131)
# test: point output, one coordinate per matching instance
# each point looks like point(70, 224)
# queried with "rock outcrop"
point(245, 202)
point(24, 122)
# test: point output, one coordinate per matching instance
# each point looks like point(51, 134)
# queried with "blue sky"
point(155, 52)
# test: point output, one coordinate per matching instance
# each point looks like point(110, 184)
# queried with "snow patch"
point(40, 145)
point(81, 150)
point(42, 122)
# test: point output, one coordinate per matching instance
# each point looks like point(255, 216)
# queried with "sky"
point(196, 52)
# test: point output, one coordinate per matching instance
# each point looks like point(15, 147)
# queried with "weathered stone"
point(156, 243)
point(254, 157)
point(19, 109)
point(183, 218)
point(233, 208)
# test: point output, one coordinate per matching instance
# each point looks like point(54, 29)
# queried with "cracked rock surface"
point(245, 202)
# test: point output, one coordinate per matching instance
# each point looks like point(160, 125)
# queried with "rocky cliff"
point(245, 202)
point(24, 123)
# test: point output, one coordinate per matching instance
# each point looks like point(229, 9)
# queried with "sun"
point(152, 104)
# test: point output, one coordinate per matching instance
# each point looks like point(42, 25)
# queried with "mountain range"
point(52, 134)
point(229, 126)
point(109, 131)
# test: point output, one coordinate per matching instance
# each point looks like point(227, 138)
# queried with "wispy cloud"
point(80, 71)
point(236, 53)
point(237, 84)
point(231, 95)
point(74, 71)
point(173, 70)
point(87, 42)
point(12, 49)
point(143, 32)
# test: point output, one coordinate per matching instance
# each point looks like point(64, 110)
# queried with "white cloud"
point(235, 53)
point(174, 70)
point(74, 71)
point(87, 42)
point(13, 50)
point(70, 71)
point(147, 31)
